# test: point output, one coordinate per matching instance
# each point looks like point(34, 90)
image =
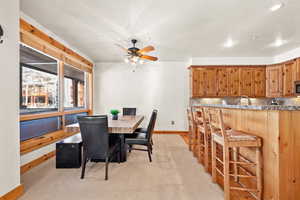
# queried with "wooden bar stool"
point(204, 139)
point(231, 142)
point(192, 132)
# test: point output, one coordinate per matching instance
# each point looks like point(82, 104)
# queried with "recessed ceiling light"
point(229, 43)
point(278, 42)
point(276, 6)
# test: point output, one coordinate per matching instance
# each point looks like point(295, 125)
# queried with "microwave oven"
point(297, 88)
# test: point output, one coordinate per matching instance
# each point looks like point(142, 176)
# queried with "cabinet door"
point(298, 69)
point(289, 77)
point(233, 81)
point(246, 81)
point(198, 87)
point(211, 81)
point(222, 82)
point(260, 82)
point(274, 81)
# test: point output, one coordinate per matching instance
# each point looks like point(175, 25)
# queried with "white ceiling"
point(178, 29)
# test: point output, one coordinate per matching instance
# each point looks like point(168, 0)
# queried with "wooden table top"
point(125, 124)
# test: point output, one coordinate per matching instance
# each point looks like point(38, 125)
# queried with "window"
point(74, 88)
point(39, 82)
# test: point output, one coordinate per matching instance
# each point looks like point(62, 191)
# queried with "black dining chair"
point(144, 130)
point(129, 111)
point(97, 145)
point(143, 139)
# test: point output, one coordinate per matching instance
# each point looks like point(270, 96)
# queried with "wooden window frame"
point(41, 42)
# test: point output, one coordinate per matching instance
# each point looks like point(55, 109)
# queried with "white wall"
point(9, 101)
point(160, 85)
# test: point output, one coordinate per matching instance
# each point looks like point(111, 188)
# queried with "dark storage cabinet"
point(68, 152)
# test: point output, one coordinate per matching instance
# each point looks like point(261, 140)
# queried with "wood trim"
point(14, 194)
point(26, 27)
point(37, 39)
point(171, 132)
point(50, 114)
point(209, 66)
point(90, 93)
point(38, 142)
point(36, 162)
point(39, 116)
point(76, 111)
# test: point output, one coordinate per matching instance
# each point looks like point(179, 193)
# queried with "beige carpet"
point(173, 175)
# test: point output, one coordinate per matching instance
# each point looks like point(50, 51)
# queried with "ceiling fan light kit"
point(137, 56)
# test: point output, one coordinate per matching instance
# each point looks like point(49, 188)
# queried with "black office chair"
point(129, 111)
point(97, 145)
point(143, 139)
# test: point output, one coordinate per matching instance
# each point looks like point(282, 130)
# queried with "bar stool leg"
point(259, 172)
point(213, 161)
point(226, 166)
point(235, 166)
point(200, 148)
point(190, 140)
point(206, 156)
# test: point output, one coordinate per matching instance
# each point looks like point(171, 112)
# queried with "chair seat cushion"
point(138, 141)
point(141, 130)
point(136, 135)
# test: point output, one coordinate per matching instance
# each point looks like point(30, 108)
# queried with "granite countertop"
point(252, 107)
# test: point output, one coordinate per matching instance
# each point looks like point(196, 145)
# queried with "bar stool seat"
point(238, 136)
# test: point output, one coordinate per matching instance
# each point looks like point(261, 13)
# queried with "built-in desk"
point(279, 127)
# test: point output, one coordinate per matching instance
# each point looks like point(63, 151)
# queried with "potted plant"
point(115, 113)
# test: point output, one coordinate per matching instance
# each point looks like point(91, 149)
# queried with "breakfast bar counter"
point(278, 126)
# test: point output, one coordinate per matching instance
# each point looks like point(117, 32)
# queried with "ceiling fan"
point(136, 55)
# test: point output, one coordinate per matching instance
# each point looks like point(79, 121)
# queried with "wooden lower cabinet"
point(281, 144)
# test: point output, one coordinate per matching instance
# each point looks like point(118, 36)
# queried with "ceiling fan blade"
point(149, 57)
point(146, 49)
point(120, 46)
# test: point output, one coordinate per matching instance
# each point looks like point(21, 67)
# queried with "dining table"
point(125, 124)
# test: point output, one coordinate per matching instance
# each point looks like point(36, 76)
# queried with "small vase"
point(115, 117)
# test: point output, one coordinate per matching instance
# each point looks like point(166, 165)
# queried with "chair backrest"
point(200, 118)
point(129, 111)
point(151, 124)
point(94, 133)
point(216, 122)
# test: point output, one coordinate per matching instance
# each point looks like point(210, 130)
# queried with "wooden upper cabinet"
point(204, 82)
point(297, 69)
point(246, 81)
point(233, 81)
point(274, 81)
point(289, 73)
point(197, 82)
point(260, 82)
point(222, 81)
point(253, 81)
point(228, 81)
point(210, 81)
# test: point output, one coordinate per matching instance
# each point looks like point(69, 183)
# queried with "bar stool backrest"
point(216, 122)
point(190, 119)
